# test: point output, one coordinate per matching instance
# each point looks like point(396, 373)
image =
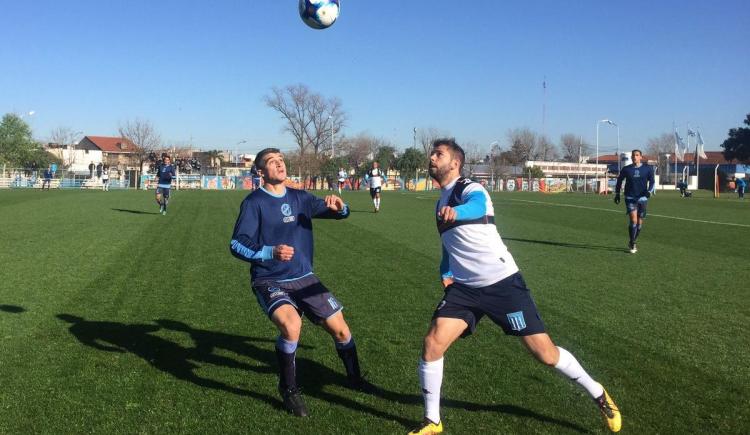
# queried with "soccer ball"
point(319, 14)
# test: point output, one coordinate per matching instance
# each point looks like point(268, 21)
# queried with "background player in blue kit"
point(639, 185)
point(164, 174)
point(274, 234)
point(481, 278)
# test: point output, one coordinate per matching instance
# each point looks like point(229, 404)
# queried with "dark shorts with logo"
point(508, 303)
point(636, 204)
point(307, 295)
point(163, 191)
point(374, 191)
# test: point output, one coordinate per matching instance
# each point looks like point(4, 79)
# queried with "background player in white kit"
point(481, 278)
point(376, 178)
point(342, 179)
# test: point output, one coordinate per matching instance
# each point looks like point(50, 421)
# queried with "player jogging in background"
point(164, 174)
point(639, 185)
point(274, 234)
point(376, 178)
point(481, 278)
point(342, 179)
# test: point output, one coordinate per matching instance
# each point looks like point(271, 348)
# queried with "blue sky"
point(198, 70)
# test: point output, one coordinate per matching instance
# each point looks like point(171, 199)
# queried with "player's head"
point(270, 164)
point(636, 155)
point(446, 160)
point(375, 164)
point(166, 158)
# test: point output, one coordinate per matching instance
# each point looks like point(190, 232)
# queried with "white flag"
point(699, 147)
point(679, 146)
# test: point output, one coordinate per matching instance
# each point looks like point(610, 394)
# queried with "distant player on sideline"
point(481, 278)
point(376, 179)
point(274, 234)
point(639, 185)
point(47, 180)
point(164, 174)
point(342, 179)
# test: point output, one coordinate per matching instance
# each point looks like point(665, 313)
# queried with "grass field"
point(114, 319)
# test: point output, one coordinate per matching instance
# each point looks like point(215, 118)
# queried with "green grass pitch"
point(115, 319)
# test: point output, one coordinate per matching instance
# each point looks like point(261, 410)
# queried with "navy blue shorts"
point(636, 204)
point(508, 303)
point(374, 191)
point(164, 191)
point(309, 297)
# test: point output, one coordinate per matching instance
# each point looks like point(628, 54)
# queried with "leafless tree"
point(661, 144)
point(426, 136)
point(573, 147)
point(656, 147)
point(358, 149)
point(142, 134)
point(64, 136)
point(522, 145)
point(545, 149)
point(312, 119)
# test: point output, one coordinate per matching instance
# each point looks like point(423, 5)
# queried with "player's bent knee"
point(434, 348)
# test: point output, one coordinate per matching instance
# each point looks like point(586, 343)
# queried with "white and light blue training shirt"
point(473, 252)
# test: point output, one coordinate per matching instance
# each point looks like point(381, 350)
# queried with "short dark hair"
point(638, 151)
point(259, 163)
point(456, 150)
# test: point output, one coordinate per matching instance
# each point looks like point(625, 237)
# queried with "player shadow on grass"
point(321, 377)
point(160, 353)
point(182, 362)
point(125, 210)
point(12, 309)
point(568, 244)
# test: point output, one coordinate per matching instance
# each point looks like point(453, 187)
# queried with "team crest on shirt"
point(286, 210)
point(516, 320)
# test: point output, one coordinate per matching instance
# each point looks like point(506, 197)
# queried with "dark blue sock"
point(632, 229)
point(348, 354)
point(637, 232)
point(285, 356)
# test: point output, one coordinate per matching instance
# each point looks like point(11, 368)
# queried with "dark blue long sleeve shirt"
point(267, 220)
point(164, 175)
point(638, 180)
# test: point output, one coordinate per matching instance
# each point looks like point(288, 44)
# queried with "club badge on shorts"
point(516, 320)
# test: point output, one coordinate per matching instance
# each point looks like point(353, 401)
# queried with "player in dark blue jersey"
point(639, 185)
point(274, 234)
point(164, 175)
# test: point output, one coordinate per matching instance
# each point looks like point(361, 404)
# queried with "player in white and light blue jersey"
point(481, 278)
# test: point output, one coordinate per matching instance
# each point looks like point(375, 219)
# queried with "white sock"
point(570, 367)
point(430, 379)
point(377, 202)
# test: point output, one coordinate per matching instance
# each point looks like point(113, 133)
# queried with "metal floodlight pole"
point(330, 119)
point(619, 160)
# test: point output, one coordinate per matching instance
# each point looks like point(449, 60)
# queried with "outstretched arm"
point(330, 207)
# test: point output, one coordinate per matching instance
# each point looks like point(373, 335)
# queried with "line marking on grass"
point(617, 211)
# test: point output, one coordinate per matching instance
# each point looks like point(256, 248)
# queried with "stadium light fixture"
point(610, 122)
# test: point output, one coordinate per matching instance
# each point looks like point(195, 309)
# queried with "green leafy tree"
point(534, 172)
point(737, 146)
point(410, 162)
point(386, 157)
point(330, 167)
point(17, 147)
